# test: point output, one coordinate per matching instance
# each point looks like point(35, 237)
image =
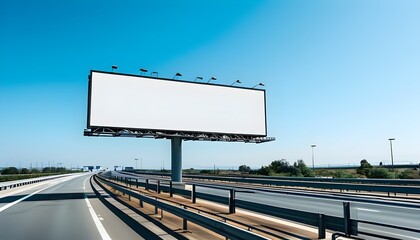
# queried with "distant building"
point(128, 169)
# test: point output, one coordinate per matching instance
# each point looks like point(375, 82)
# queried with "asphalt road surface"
point(63, 208)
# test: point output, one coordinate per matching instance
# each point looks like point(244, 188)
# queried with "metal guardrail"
point(219, 227)
point(324, 185)
point(317, 185)
point(5, 185)
point(321, 221)
point(344, 225)
point(413, 182)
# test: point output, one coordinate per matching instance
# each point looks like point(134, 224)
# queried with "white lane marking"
point(84, 183)
point(21, 199)
point(97, 221)
point(30, 195)
point(390, 234)
point(14, 191)
point(95, 218)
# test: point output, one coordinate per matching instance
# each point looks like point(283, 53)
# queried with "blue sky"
point(343, 75)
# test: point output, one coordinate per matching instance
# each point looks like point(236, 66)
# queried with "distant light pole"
point(56, 169)
point(136, 159)
point(313, 162)
point(114, 67)
point(154, 73)
point(392, 155)
point(198, 78)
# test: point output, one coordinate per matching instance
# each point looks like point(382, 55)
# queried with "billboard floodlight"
point(199, 78)
point(212, 78)
point(259, 84)
point(177, 75)
point(237, 81)
point(142, 70)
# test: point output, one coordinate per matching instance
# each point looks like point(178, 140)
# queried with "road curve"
point(64, 208)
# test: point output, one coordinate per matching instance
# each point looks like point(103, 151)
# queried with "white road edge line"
point(30, 195)
point(21, 199)
point(96, 220)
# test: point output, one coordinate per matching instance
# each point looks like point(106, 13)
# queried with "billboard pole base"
point(176, 159)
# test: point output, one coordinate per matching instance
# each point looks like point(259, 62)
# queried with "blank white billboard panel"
point(134, 102)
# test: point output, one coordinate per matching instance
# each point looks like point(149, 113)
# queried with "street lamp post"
point(313, 162)
point(392, 155)
point(136, 159)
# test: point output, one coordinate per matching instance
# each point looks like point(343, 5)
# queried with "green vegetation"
point(12, 173)
point(342, 174)
point(299, 169)
point(244, 169)
point(365, 168)
point(381, 173)
point(283, 168)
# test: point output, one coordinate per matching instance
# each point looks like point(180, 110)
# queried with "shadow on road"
point(48, 197)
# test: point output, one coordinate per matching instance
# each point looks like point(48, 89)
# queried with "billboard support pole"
point(176, 159)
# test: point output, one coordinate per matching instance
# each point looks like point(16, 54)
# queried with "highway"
point(63, 208)
point(378, 211)
point(73, 207)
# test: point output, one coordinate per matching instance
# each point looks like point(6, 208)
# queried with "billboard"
point(146, 103)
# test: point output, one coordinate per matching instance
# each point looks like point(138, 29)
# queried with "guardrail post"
point(184, 222)
point(140, 203)
point(129, 182)
point(321, 226)
point(158, 187)
point(156, 208)
point(146, 187)
point(193, 194)
point(232, 200)
point(129, 197)
point(346, 214)
point(137, 183)
point(171, 193)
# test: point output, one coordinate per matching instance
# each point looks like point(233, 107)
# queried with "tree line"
point(14, 170)
point(300, 169)
point(281, 167)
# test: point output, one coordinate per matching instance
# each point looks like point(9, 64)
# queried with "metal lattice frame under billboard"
point(108, 132)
